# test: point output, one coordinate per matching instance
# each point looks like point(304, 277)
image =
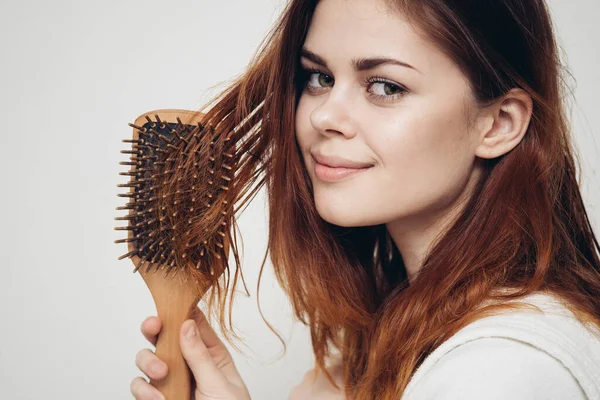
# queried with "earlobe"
point(507, 123)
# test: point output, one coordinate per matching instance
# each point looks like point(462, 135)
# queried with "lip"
point(341, 168)
point(339, 162)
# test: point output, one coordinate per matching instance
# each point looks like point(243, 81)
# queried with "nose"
point(332, 117)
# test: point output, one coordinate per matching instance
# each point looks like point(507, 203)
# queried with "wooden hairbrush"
point(186, 176)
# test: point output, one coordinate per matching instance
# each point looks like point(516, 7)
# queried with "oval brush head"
point(186, 175)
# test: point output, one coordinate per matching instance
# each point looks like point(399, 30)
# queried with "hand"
point(315, 385)
point(212, 366)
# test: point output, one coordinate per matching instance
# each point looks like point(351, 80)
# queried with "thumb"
point(207, 375)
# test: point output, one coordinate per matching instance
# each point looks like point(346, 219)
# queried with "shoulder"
point(497, 368)
point(517, 354)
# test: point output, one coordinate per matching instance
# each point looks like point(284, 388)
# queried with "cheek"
point(302, 124)
point(431, 141)
point(426, 160)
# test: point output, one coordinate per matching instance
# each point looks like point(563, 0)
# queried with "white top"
point(519, 354)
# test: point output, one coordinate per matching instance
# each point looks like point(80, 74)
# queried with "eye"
point(321, 79)
point(390, 90)
point(314, 80)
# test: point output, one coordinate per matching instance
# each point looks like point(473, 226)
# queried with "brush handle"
point(177, 385)
point(176, 299)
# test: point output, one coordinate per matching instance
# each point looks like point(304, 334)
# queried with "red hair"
point(524, 228)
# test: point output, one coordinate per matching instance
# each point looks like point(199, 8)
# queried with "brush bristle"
point(178, 187)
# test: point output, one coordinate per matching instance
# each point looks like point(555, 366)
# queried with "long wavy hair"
point(524, 228)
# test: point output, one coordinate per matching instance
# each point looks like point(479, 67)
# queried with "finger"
point(207, 375)
point(150, 329)
point(150, 364)
point(142, 390)
point(207, 334)
point(216, 348)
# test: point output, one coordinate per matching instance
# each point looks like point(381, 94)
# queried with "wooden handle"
point(176, 299)
point(177, 385)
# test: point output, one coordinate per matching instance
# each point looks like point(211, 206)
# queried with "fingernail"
point(191, 331)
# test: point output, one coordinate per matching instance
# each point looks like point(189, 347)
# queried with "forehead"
point(344, 29)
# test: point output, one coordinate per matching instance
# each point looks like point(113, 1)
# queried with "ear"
point(502, 125)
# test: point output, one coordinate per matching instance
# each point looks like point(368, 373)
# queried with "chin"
point(347, 217)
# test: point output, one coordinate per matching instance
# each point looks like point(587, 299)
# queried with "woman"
point(431, 203)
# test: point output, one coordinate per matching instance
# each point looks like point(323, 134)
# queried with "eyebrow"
point(359, 64)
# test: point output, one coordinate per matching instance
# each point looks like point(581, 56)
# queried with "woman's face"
point(409, 122)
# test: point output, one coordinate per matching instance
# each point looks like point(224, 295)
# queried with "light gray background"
point(72, 75)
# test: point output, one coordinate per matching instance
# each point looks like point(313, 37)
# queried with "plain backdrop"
point(72, 75)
